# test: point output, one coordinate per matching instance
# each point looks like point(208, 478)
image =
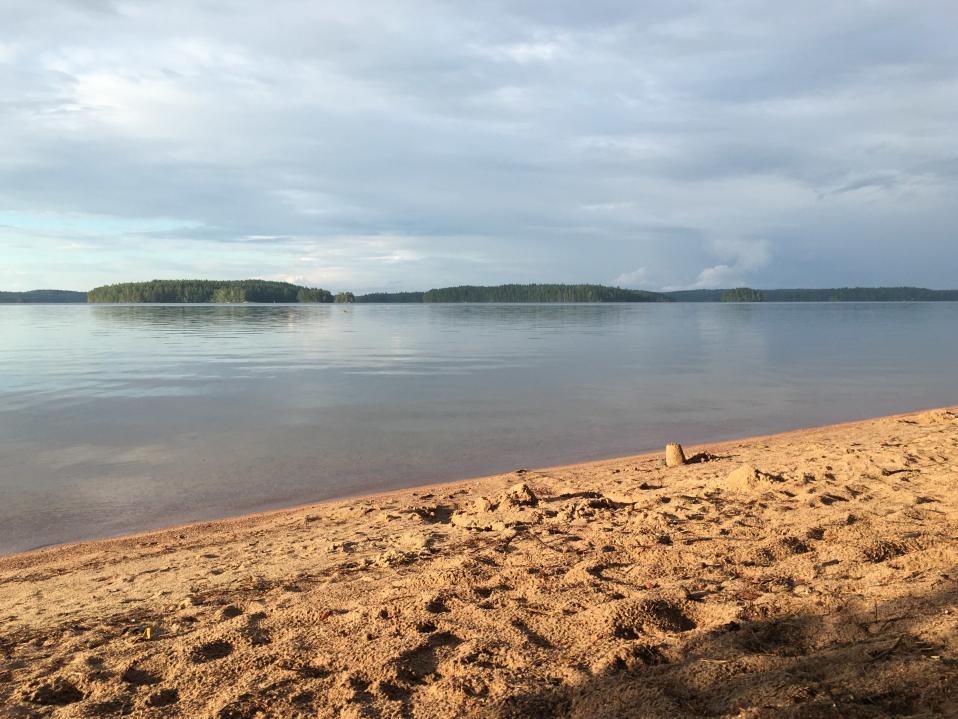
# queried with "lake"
point(116, 418)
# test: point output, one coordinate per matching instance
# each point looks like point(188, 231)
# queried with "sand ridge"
point(807, 574)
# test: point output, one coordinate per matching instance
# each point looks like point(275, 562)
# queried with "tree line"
point(391, 297)
point(832, 294)
point(742, 294)
point(202, 291)
point(539, 293)
point(42, 296)
point(862, 294)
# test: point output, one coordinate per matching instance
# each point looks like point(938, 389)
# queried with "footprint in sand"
point(56, 692)
point(436, 605)
point(884, 550)
point(211, 651)
point(416, 665)
point(257, 635)
point(244, 707)
point(629, 620)
point(163, 698)
point(230, 611)
point(137, 676)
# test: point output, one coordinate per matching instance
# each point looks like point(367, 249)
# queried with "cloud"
point(635, 279)
point(742, 258)
point(422, 143)
point(718, 276)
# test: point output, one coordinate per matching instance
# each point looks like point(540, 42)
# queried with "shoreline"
point(265, 515)
point(805, 573)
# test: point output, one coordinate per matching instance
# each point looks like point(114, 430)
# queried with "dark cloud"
point(404, 145)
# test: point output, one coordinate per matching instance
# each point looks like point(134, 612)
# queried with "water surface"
point(115, 418)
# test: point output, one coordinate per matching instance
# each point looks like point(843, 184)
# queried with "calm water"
point(119, 418)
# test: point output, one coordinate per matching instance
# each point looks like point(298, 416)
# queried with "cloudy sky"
point(409, 144)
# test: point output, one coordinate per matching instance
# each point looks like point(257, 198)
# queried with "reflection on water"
point(122, 417)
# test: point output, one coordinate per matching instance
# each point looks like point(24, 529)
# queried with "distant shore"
point(193, 291)
point(798, 572)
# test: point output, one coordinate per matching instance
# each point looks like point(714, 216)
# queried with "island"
point(38, 297)
point(202, 291)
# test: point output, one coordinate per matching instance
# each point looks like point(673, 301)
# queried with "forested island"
point(837, 294)
point(601, 293)
point(516, 293)
point(539, 293)
point(236, 291)
point(42, 297)
point(208, 291)
point(862, 294)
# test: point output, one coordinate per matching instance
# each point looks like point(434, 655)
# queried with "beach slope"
point(809, 574)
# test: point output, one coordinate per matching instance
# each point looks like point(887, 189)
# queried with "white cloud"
point(527, 52)
point(742, 258)
point(637, 278)
point(717, 277)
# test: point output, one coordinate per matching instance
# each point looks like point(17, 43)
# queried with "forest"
point(208, 291)
point(742, 294)
point(835, 294)
point(540, 293)
point(391, 297)
point(42, 297)
point(862, 294)
point(600, 293)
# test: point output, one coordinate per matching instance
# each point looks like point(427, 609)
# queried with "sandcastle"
point(674, 455)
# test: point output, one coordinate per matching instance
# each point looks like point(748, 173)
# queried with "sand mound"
point(748, 479)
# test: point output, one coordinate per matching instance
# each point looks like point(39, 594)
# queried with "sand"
point(809, 574)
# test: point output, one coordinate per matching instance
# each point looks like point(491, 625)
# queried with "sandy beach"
point(808, 574)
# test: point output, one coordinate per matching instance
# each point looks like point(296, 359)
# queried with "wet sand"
point(809, 574)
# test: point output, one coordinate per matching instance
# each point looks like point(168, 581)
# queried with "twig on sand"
point(541, 541)
point(885, 652)
point(884, 623)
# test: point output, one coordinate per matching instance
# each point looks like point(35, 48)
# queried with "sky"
point(409, 144)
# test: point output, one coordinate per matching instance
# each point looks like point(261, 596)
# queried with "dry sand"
point(818, 581)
